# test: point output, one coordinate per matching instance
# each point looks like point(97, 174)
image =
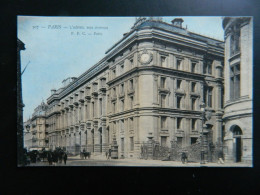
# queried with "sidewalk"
point(154, 163)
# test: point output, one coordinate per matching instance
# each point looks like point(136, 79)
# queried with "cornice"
point(137, 35)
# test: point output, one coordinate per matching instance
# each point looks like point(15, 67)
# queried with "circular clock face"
point(145, 57)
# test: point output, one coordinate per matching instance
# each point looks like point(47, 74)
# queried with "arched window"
point(237, 130)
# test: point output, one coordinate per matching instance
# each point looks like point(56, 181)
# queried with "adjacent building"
point(151, 83)
point(35, 129)
point(238, 89)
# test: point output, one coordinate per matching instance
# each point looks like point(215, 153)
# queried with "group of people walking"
point(57, 156)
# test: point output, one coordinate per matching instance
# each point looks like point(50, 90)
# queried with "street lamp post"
point(202, 159)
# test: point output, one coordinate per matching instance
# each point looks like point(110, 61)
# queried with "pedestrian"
point(109, 153)
point(65, 157)
point(184, 158)
point(55, 157)
point(49, 157)
point(106, 154)
point(220, 157)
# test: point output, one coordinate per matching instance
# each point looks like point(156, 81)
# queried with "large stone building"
point(238, 89)
point(35, 129)
point(151, 83)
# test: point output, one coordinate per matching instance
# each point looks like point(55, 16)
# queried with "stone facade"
point(150, 84)
point(238, 89)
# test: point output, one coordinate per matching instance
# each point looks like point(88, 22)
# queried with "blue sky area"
point(56, 50)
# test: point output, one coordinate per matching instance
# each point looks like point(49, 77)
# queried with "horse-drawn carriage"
point(85, 154)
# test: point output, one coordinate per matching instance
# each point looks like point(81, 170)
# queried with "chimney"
point(177, 22)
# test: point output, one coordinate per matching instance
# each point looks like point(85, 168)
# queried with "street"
point(76, 161)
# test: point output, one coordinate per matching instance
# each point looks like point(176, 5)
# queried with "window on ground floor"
point(179, 141)
point(163, 141)
point(193, 140)
point(131, 143)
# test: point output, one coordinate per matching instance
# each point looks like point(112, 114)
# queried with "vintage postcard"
point(135, 91)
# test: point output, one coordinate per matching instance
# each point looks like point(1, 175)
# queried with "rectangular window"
point(122, 125)
point(179, 123)
point(207, 67)
point(210, 67)
point(193, 67)
point(100, 106)
point(122, 105)
point(193, 140)
point(193, 87)
point(122, 88)
point(131, 143)
point(114, 92)
point(93, 109)
point(235, 40)
point(163, 141)
point(163, 100)
point(131, 63)
point(178, 84)
point(179, 141)
point(178, 102)
point(163, 79)
point(131, 102)
point(208, 96)
point(163, 122)
point(179, 64)
point(122, 69)
point(114, 107)
point(131, 84)
point(131, 125)
point(163, 61)
point(235, 82)
point(193, 124)
point(193, 104)
point(114, 73)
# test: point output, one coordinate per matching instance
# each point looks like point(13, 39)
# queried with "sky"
point(57, 48)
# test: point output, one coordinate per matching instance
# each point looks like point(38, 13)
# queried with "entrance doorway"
point(237, 132)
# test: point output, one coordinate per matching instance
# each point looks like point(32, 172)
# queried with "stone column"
point(83, 138)
point(186, 130)
point(104, 137)
point(67, 139)
point(89, 138)
point(77, 140)
point(137, 143)
point(96, 138)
